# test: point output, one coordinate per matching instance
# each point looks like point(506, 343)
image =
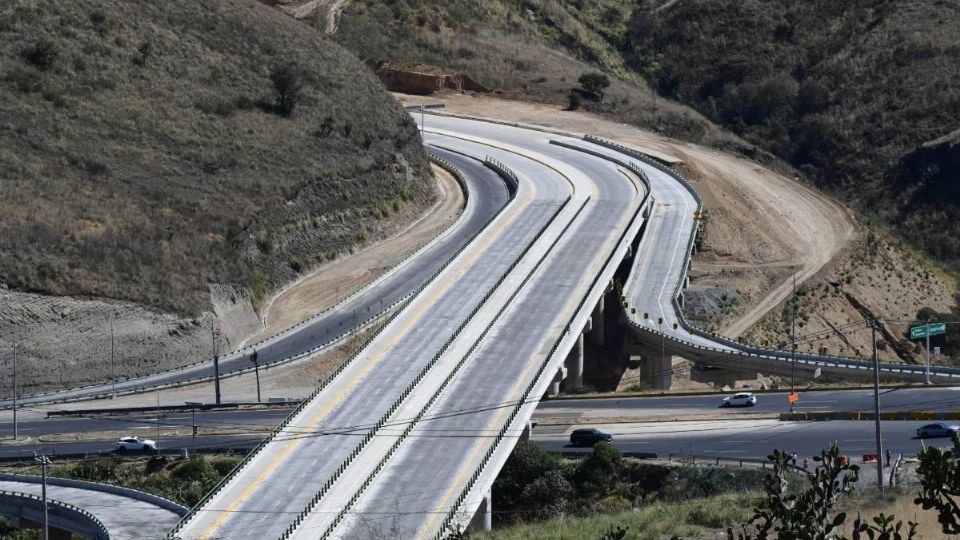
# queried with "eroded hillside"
point(145, 155)
point(165, 166)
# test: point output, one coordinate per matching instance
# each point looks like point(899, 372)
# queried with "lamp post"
point(216, 363)
point(43, 460)
point(15, 425)
point(256, 371)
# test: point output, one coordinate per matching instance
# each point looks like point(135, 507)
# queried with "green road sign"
point(933, 329)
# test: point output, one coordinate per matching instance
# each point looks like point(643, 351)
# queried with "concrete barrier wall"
point(130, 493)
point(869, 415)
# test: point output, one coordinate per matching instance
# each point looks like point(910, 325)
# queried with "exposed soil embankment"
point(762, 227)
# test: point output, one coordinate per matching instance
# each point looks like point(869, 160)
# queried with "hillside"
point(849, 93)
point(145, 155)
point(534, 50)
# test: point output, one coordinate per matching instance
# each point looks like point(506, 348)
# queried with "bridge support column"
point(597, 332)
point(527, 431)
point(575, 364)
point(554, 389)
point(483, 519)
point(656, 369)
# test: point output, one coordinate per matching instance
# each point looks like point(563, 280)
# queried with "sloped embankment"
point(146, 155)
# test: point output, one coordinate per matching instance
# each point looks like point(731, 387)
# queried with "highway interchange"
point(408, 432)
point(634, 436)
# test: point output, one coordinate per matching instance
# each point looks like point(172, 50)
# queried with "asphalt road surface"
point(891, 399)
point(745, 439)
point(488, 194)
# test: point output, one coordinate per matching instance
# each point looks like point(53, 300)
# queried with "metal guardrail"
point(249, 457)
point(329, 343)
point(68, 508)
point(756, 352)
point(455, 507)
point(456, 369)
point(511, 178)
point(130, 493)
point(406, 392)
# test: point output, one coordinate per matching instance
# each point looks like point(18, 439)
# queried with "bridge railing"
point(366, 323)
point(302, 515)
point(758, 352)
point(303, 404)
point(537, 380)
point(75, 512)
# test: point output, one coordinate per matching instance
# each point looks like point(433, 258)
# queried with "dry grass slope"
point(141, 156)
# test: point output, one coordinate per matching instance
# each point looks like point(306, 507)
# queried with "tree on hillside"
point(811, 514)
point(287, 87)
point(594, 84)
point(599, 472)
point(939, 473)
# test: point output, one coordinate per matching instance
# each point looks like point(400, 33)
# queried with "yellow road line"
point(375, 359)
point(463, 471)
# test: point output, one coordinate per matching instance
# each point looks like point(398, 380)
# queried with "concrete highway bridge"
point(564, 242)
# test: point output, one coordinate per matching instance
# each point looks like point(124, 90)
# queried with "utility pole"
point(793, 342)
point(928, 355)
point(113, 365)
point(256, 371)
point(876, 402)
point(158, 422)
point(15, 425)
point(193, 441)
point(43, 460)
point(216, 363)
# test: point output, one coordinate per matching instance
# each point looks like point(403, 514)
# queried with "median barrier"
point(914, 416)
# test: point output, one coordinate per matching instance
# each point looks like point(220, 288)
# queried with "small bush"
point(296, 265)
point(594, 84)
point(42, 54)
point(573, 101)
point(196, 468)
point(287, 87)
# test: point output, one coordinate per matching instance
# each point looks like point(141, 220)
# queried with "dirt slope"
point(144, 156)
point(763, 228)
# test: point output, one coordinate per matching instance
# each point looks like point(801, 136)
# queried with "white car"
point(742, 399)
point(135, 443)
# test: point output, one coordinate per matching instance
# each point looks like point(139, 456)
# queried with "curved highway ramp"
point(100, 511)
point(409, 435)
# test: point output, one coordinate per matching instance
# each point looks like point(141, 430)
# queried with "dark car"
point(588, 437)
point(939, 429)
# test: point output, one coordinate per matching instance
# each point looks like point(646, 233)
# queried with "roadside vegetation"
point(149, 150)
point(185, 481)
point(535, 486)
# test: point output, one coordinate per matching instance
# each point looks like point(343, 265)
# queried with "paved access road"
point(487, 195)
point(745, 439)
point(333, 427)
point(125, 518)
point(891, 399)
point(419, 484)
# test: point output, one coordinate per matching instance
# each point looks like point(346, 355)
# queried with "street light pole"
point(113, 365)
point(44, 461)
point(216, 364)
point(928, 355)
point(15, 425)
point(793, 342)
point(876, 402)
point(256, 371)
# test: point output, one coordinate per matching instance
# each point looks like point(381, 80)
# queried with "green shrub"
point(42, 54)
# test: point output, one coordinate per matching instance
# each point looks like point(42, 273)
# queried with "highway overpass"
point(411, 432)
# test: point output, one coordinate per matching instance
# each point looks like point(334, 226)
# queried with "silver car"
point(741, 399)
point(135, 443)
